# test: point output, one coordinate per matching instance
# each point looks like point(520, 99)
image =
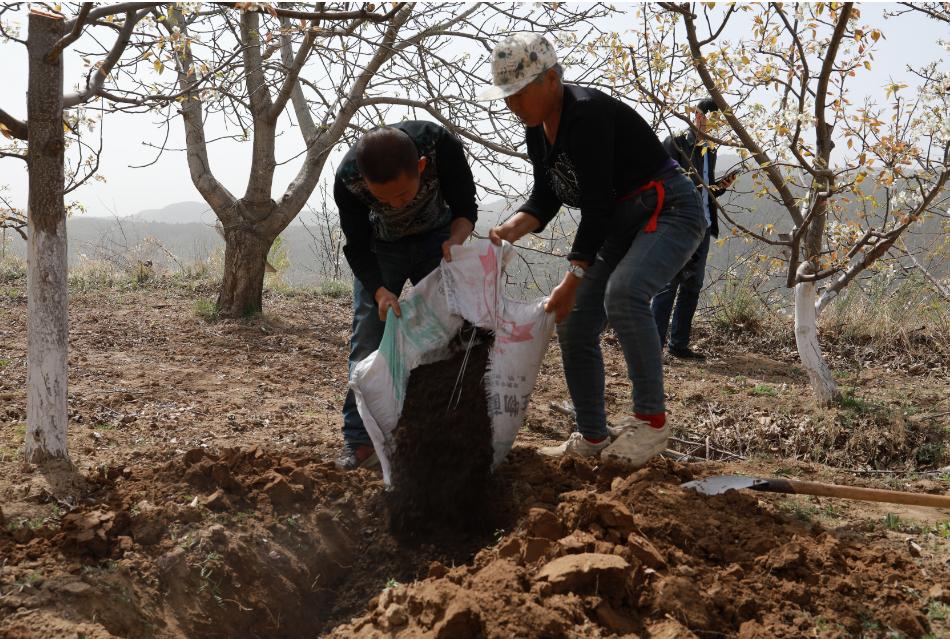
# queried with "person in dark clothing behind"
point(641, 219)
point(406, 195)
point(698, 158)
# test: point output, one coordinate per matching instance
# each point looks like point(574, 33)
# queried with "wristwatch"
point(577, 271)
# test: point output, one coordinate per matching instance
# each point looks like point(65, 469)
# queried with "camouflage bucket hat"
point(516, 61)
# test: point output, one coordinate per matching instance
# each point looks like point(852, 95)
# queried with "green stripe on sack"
point(419, 330)
point(389, 349)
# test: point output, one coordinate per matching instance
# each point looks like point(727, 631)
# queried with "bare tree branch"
point(763, 160)
point(115, 9)
point(276, 10)
point(293, 69)
point(458, 130)
point(936, 10)
point(73, 35)
point(885, 242)
point(218, 197)
point(95, 82)
point(16, 128)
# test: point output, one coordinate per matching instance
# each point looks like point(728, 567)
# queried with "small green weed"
point(892, 521)
point(930, 453)
point(24, 522)
point(206, 571)
point(29, 580)
point(335, 288)
point(764, 390)
point(938, 611)
point(206, 309)
point(856, 404)
point(830, 510)
point(801, 511)
point(737, 308)
point(869, 623)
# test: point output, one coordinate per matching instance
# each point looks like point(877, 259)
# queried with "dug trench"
point(247, 542)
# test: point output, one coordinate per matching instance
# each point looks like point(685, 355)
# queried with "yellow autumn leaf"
point(159, 66)
point(875, 35)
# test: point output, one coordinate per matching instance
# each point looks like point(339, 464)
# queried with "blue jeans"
point(628, 271)
point(410, 259)
point(689, 282)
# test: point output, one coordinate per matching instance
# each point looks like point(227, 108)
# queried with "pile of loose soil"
point(246, 542)
point(442, 460)
point(238, 542)
point(635, 555)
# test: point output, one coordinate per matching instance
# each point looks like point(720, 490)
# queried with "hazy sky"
point(128, 190)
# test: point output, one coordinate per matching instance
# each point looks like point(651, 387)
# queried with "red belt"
point(660, 196)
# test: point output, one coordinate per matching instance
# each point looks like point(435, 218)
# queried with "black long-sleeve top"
point(603, 150)
point(446, 192)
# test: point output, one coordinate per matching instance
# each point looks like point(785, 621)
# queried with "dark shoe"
point(363, 456)
point(686, 353)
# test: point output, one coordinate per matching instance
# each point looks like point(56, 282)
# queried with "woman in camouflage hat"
point(641, 220)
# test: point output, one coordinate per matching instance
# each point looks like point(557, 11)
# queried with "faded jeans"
point(410, 259)
point(628, 271)
point(684, 289)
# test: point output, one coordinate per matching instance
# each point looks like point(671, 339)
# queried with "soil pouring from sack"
point(442, 462)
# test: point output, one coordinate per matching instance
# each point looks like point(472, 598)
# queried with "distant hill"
point(177, 213)
point(183, 233)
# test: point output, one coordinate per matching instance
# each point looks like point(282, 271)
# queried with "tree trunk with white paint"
point(806, 339)
point(47, 323)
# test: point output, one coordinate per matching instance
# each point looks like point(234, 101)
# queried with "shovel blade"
point(723, 483)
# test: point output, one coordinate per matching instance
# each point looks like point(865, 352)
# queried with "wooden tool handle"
point(793, 486)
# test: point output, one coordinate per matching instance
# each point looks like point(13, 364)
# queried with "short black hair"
point(384, 154)
point(708, 105)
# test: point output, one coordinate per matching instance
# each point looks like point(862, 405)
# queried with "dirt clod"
point(544, 524)
point(582, 572)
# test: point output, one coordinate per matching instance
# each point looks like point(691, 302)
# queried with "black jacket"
point(683, 149)
point(446, 192)
point(603, 150)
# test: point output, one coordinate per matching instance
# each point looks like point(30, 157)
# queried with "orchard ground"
point(205, 502)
